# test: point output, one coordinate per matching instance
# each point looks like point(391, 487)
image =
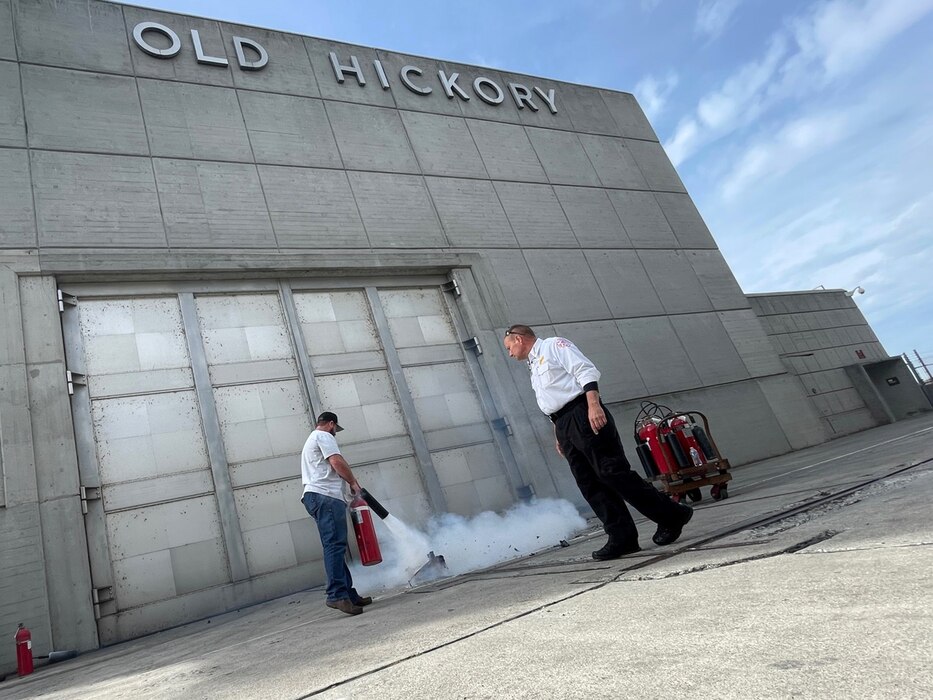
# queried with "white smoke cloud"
point(466, 544)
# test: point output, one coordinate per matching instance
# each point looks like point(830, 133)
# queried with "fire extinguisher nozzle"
point(377, 507)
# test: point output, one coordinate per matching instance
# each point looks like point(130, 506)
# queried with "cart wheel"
point(676, 497)
point(694, 495)
point(724, 492)
point(717, 492)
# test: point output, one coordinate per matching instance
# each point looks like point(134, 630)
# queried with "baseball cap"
point(328, 416)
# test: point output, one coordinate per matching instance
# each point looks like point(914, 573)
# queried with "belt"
point(568, 407)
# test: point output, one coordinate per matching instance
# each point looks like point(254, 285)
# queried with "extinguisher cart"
point(678, 452)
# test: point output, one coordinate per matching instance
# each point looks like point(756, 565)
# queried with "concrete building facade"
point(822, 337)
point(209, 233)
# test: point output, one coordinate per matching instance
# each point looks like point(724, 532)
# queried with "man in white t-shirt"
point(326, 477)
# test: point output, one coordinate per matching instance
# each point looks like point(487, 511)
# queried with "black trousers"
point(606, 479)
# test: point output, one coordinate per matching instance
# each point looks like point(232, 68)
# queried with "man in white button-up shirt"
point(566, 388)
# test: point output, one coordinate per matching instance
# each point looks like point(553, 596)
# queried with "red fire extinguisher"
point(663, 457)
point(366, 541)
point(23, 639)
point(681, 427)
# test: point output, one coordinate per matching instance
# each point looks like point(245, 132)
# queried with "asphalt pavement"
point(812, 580)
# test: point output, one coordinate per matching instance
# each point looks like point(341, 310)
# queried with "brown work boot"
point(363, 600)
point(345, 606)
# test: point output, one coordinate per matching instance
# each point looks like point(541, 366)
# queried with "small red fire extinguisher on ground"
point(362, 517)
point(23, 639)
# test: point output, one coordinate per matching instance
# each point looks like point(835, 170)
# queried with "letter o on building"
point(479, 86)
point(144, 27)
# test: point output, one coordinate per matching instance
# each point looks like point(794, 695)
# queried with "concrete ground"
point(833, 600)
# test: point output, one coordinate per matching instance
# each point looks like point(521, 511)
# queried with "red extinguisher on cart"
point(648, 434)
point(362, 516)
point(23, 639)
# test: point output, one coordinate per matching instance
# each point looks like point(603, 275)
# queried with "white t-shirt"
point(316, 473)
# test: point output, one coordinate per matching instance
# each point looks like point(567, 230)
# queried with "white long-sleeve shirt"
point(559, 371)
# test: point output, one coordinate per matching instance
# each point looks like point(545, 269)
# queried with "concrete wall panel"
point(397, 211)
point(17, 218)
point(82, 111)
point(22, 580)
point(371, 138)
point(443, 145)
point(288, 130)
point(506, 152)
point(68, 575)
point(624, 283)
point(685, 220)
point(592, 217)
point(601, 342)
point(312, 208)
point(613, 162)
point(470, 213)
point(643, 220)
point(675, 281)
point(475, 107)
point(711, 350)
point(563, 157)
point(350, 90)
point(7, 43)
point(194, 121)
point(536, 215)
point(588, 111)
point(520, 296)
point(751, 342)
point(436, 101)
point(96, 200)
point(736, 411)
point(288, 71)
point(628, 115)
point(794, 412)
point(213, 205)
point(655, 166)
point(543, 117)
point(12, 121)
point(72, 33)
point(661, 360)
point(716, 277)
point(185, 65)
point(567, 285)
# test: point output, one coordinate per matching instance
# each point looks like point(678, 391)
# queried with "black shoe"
point(363, 600)
point(612, 550)
point(666, 534)
point(344, 605)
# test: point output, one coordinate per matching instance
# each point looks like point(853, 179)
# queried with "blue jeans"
point(330, 514)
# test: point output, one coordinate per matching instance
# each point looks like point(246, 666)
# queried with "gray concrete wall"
point(898, 388)
point(817, 334)
point(134, 167)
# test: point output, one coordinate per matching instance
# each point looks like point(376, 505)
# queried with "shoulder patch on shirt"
point(564, 343)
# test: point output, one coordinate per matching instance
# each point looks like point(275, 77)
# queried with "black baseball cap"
point(328, 416)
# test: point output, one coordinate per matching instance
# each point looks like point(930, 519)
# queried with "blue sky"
point(803, 130)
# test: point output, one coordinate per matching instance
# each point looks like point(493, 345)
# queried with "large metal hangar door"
point(192, 402)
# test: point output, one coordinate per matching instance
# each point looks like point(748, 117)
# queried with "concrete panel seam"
point(262, 187)
point(32, 189)
point(151, 161)
point(411, 146)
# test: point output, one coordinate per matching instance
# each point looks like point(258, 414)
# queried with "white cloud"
point(652, 93)
point(842, 35)
point(713, 17)
point(739, 101)
point(777, 154)
point(835, 38)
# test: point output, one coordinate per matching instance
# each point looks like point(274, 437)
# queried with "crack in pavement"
point(809, 542)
